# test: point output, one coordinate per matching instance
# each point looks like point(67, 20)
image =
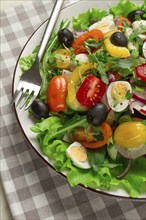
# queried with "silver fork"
point(30, 81)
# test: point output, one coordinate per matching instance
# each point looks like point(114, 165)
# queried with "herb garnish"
point(128, 95)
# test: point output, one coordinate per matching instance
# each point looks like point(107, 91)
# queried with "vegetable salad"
point(91, 110)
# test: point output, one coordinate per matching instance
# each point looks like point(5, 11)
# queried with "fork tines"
point(25, 97)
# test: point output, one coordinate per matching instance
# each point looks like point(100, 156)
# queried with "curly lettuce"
point(124, 7)
point(103, 173)
point(84, 20)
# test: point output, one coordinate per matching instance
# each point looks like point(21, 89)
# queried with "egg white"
point(81, 58)
point(139, 25)
point(85, 164)
point(144, 49)
point(120, 106)
point(106, 24)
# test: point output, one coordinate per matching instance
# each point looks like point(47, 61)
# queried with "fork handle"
point(49, 27)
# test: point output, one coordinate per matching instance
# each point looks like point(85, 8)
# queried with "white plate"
point(22, 116)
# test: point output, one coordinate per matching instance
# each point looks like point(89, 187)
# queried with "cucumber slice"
point(76, 106)
point(112, 151)
point(68, 111)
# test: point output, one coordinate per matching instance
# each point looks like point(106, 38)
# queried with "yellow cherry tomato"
point(130, 134)
point(115, 51)
point(63, 58)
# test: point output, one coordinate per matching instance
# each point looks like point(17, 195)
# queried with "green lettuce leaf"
point(50, 124)
point(143, 7)
point(84, 20)
point(135, 181)
point(56, 151)
point(26, 62)
point(124, 7)
point(53, 128)
point(103, 173)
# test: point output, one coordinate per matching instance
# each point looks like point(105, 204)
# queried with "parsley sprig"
point(94, 57)
point(106, 63)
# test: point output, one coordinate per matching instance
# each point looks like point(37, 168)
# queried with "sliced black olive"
point(39, 109)
point(119, 39)
point(65, 37)
point(97, 114)
point(138, 114)
point(132, 15)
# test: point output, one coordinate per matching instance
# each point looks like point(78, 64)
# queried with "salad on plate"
point(90, 115)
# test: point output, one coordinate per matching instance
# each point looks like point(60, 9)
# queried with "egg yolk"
point(79, 153)
point(119, 91)
point(102, 27)
point(130, 134)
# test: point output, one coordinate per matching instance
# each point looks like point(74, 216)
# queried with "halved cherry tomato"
point(87, 140)
point(81, 134)
point(57, 90)
point(78, 44)
point(73, 81)
point(141, 72)
point(91, 91)
point(121, 20)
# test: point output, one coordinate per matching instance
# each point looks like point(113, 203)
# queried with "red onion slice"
point(143, 110)
point(132, 153)
point(134, 104)
point(77, 34)
point(111, 78)
point(141, 96)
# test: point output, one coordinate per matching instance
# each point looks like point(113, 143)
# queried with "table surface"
point(118, 207)
point(5, 213)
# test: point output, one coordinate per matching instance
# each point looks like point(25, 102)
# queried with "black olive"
point(65, 37)
point(97, 114)
point(138, 114)
point(39, 109)
point(132, 15)
point(119, 39)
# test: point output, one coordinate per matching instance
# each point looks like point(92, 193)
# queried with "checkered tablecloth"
point(33, 190)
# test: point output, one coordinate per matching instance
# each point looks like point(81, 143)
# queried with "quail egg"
point(106, 24)
point(118, 95)
point(78, 154)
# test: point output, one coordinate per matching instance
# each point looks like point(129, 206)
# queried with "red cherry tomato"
point(78, 45)
point(57, 90)
point(141, 72)
point(91, 91)
point(87, 140)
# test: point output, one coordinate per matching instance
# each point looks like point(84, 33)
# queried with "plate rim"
point(105, 193)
